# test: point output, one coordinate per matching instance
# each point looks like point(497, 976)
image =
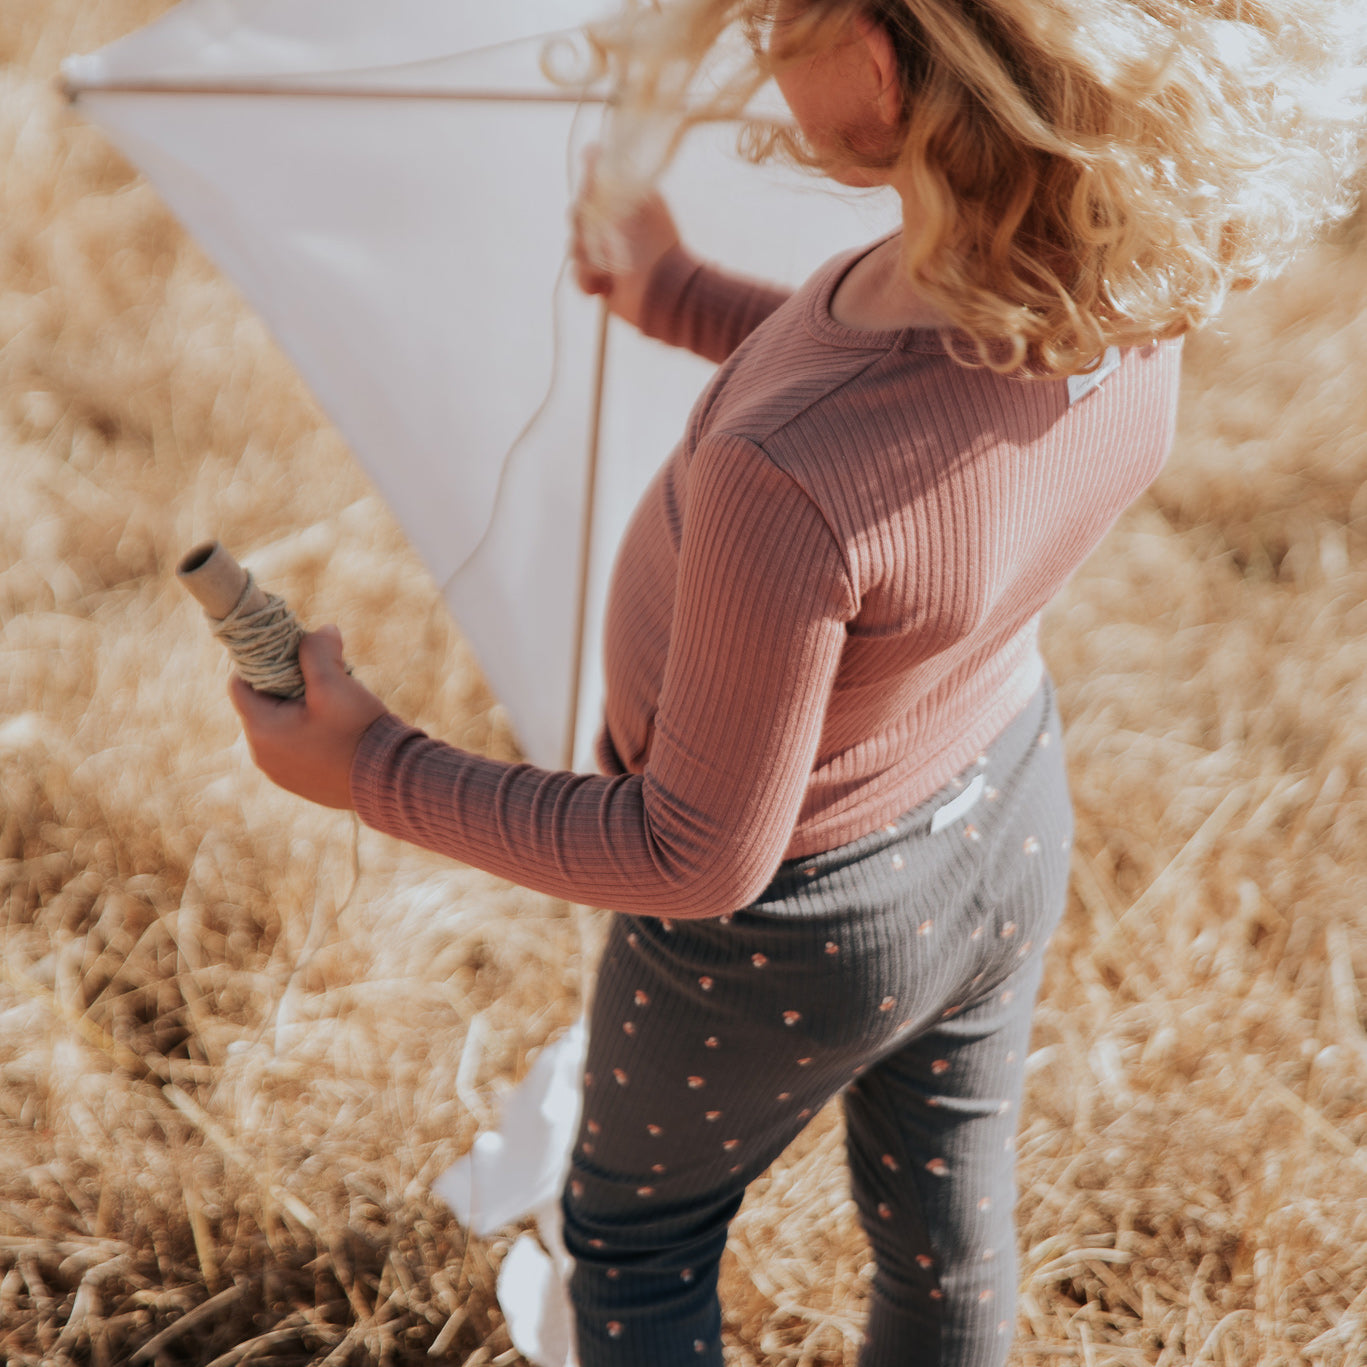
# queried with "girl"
point(832, 812)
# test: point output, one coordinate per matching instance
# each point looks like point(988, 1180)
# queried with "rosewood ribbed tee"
point(825, 606)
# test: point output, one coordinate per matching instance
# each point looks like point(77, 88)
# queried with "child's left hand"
point(306, 745)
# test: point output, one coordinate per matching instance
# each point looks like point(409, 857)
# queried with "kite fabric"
point(389, 186)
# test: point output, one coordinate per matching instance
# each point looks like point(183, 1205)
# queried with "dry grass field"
point(231, 1063)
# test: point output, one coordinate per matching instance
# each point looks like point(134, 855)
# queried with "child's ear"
point(882, 55)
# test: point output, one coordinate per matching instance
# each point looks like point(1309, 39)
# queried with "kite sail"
point(389, 187)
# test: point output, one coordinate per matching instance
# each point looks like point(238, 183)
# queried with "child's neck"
point(876, 294)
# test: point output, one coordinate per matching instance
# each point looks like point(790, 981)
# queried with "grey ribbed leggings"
point(901, 970)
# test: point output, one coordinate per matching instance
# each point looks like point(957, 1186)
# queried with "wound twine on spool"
point(260, 632)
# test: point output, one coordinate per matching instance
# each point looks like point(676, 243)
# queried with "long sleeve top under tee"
point(825, 606)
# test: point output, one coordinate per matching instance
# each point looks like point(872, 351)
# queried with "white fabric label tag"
point(1079, 386)
point(958, 806)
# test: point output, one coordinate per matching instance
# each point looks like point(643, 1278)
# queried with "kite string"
point(524, 432)
point(505, 465)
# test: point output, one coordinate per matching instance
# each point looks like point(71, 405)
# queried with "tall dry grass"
point(227, 1075)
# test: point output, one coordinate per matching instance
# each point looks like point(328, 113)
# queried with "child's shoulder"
point(871, 435)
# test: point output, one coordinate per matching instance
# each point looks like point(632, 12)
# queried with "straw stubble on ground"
point(232, 1060)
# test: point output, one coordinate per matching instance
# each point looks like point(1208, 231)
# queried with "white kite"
point(389, 186)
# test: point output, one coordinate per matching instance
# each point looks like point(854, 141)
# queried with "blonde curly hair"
point(1085, 172)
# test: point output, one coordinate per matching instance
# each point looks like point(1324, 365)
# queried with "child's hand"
point(616, 259)
point(306, 745)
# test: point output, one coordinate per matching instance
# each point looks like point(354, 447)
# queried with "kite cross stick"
point(260, 632)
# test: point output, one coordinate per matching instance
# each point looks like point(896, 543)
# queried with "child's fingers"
point(589, 276)
point(584, 190)
point(321, 657)
point(590, 161)
point(592, 282)
point(258, 709)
